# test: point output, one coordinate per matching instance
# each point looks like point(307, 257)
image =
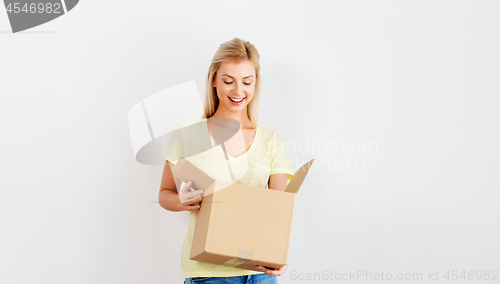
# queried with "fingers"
point(188, 191)
point(188, 194)
point(187, 187)
point(192, 205)
point(193, 195)
point(272, 272)
point(190, 198)
point(265, 270)
point(195, 201)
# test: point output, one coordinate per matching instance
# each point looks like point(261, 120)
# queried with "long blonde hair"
point(233, 50)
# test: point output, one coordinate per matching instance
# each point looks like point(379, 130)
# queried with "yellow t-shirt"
point(266, 156)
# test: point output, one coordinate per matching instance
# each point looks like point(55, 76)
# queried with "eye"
point(228, 82)
point(247, 83)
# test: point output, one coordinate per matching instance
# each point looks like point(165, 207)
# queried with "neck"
point(240, 116)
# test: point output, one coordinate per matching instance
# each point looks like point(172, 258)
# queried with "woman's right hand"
point(190, 198)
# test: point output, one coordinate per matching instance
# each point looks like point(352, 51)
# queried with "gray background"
point(417, 79)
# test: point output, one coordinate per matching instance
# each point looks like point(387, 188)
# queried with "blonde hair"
point(233, 50)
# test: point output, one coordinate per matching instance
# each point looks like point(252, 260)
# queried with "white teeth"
point(236, 101)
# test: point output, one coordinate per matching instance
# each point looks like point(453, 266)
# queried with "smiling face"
point(235, 85)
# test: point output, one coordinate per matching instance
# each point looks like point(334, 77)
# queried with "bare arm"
point(278, 182)
point(168, 198)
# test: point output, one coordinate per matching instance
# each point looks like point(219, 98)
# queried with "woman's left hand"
point(273, 272)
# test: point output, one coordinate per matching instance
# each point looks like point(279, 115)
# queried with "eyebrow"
point(233, 77)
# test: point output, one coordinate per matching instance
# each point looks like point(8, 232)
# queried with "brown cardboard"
point(239, 225)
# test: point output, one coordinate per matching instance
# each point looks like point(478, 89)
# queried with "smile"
point(236, 101)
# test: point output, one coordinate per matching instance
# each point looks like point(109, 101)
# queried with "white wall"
point(414, 83)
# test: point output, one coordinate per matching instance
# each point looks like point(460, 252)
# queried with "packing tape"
point(243, 256)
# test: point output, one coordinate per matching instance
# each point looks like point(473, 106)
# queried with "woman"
point(232, 92)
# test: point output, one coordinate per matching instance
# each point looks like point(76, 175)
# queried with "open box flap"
point(186, 171)
point(298, 178)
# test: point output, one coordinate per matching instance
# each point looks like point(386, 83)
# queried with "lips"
point(236, 100)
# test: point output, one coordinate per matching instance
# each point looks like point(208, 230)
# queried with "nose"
point(238, 90)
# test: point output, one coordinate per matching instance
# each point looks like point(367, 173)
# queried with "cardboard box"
point(238, 225)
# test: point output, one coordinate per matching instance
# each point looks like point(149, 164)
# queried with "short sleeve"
point(175, 147)
point(280, 164)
